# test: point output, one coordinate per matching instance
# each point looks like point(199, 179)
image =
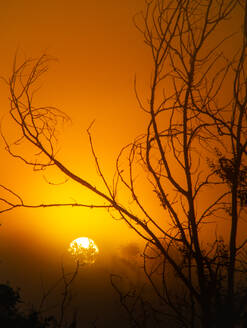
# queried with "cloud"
point(130, 250)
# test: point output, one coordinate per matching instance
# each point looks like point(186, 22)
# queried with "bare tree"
point(193, 156)
point(66, 281)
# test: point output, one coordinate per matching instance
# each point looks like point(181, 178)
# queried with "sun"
point(84, 250)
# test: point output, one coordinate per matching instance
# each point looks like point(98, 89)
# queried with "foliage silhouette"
point(12, 317)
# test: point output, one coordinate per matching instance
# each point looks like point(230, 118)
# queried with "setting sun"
point(84, 249)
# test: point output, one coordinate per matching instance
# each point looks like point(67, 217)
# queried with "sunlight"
point(84, 250)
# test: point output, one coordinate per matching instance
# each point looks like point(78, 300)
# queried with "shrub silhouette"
point(12, 317)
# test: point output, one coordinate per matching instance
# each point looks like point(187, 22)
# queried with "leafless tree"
point(65, 281)
point(192, 154)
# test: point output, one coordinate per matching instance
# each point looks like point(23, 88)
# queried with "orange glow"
point(84, 250)
point(98, 50)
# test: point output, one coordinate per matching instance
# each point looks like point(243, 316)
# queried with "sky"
point(92, 80)
point(99, 51)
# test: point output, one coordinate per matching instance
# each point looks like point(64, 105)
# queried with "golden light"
point(84, 250)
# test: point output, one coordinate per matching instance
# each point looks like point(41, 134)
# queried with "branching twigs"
point(67, 285)
point(10, 205)
point(66, 281)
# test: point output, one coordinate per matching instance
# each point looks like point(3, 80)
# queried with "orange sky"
point(99, 52)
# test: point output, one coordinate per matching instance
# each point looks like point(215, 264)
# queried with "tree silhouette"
point(12, 317)
point(192, 155)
